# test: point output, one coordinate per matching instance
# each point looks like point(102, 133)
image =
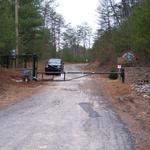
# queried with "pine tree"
point(7, 27)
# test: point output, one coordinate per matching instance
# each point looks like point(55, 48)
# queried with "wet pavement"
point(70, 115)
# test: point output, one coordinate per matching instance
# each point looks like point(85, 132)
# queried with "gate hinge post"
point(64, 76)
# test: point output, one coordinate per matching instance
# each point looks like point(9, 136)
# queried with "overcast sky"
point(78, 11)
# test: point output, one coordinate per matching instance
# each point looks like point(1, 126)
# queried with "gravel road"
point(70, 115)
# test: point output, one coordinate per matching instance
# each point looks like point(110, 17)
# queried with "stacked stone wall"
point(137, 74)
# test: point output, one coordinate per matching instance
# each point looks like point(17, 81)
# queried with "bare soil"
point(12, 89)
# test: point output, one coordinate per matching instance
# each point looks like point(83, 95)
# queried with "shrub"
point(113, 75)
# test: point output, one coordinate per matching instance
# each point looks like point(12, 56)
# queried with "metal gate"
point(80, 73)
point(26, 62)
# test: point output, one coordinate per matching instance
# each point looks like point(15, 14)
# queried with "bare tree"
point(104, 15)
point(54, 22)
point(114, 11)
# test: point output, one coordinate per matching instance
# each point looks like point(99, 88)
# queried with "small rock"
point(125, 98)
point(120, 99)
point(146, 97)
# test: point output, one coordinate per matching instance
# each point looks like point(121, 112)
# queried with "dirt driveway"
point(71, 115)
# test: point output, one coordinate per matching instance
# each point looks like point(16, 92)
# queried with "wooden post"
point(16, 26)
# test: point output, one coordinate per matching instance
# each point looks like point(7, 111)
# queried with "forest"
point(122, 26)
point(42, 31)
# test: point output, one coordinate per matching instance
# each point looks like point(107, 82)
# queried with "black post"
point(7, 61)
point(34, 59)
point(123, 75)
point(16, 62)
point(64, 76)
point(25, 61)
